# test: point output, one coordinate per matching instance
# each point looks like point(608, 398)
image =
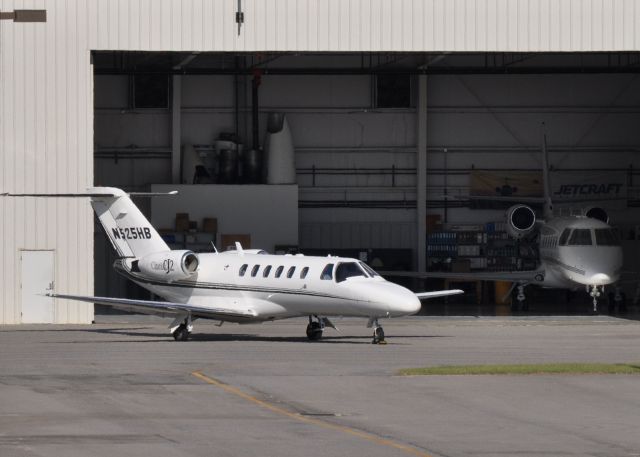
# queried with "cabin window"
point(290, 272)
point(606, 237)
point(254, 270)
point(279, 271)
point(266, 271)
point(369, 270)
point(580, 237)
point(327, 273)
point(243, 269)
point(565, 236)
point(348, 270)
point(303, 273)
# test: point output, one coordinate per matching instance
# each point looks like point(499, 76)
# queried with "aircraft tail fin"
point(129, 231)
point(548, 203)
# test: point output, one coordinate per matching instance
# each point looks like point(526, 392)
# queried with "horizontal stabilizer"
point(96, 192)
point(162, 307)
point(82, 194)
point(438, 293)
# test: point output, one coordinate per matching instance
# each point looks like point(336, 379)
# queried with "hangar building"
point(397, 110)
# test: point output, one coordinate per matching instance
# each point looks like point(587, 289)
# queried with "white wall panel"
point(354, 25)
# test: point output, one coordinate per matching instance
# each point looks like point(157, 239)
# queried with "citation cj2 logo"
point(166, 266)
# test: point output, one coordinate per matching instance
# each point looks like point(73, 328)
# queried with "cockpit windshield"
point(606, 237)
point(369, 270)
point(346, 270)
point(580, 237)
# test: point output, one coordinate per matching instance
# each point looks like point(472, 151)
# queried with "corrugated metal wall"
point(46, 99)
point(46, 130)
point(365, 25)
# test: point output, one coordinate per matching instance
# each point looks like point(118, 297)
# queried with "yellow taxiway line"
point(309, 420)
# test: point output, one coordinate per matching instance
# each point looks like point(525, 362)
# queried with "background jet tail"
point(548, 204)
point(130, 233)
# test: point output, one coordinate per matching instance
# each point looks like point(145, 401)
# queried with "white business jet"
point(243, 286)
point(575, 251)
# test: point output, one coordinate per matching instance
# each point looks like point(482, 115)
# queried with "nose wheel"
point(595, 292)
point(378, 333)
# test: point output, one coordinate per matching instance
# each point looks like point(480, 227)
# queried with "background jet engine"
point(521, 221)
point(595, 212)
point(169, 265)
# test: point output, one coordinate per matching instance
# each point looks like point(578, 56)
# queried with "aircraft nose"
point(404, 302)
point(387, 298)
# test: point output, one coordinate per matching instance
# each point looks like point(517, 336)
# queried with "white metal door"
point(37, 280)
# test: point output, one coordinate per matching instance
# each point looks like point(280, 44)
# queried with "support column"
point(176, 129)
point(421, 175)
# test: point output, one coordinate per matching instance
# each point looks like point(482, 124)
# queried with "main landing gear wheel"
point(181, 333)
point(314, 330)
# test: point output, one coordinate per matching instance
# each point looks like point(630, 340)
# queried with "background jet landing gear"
point(315, 329)
point(595, 292)
point(617, 301)
point(519, 304)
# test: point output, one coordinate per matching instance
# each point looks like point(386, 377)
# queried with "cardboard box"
point(182, 222)
point(460, 266)
point(434, 223)
point(210, 225)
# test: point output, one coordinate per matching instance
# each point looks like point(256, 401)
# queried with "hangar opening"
point(390, 152)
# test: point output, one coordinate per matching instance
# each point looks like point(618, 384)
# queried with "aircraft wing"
point(163, 308)
point(513, 276)
point(438, 293)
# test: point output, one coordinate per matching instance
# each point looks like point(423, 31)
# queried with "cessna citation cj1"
point(243, 286)
point(575, 251)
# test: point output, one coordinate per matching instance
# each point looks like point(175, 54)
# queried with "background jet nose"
point(600, 278)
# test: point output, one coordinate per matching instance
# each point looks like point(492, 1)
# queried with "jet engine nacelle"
point(595, 212)
point(169, 265)
point(521, 221)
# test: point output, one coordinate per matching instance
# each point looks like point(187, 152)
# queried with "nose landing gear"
point(595, 292)
point(378, 332)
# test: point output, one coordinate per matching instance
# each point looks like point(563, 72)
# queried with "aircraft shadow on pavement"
point(143, 333)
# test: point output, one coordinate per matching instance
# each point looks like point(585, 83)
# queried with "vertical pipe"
point(255, 111)
point(421, 174)
point(176, 129)
point(236, 90)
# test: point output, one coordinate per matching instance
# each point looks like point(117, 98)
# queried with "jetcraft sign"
point(585, 185)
